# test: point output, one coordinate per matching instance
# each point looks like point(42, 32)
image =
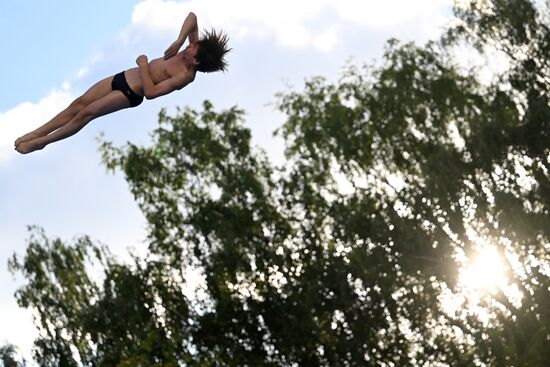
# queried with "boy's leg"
point(112, 102)
point(95, 92)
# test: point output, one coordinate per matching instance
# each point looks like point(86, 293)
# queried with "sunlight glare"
point(485, 272)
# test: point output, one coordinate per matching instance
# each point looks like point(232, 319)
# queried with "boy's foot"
point(29, 146)
point(30, 136)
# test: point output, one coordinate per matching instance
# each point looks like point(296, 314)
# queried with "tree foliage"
point(8, 356)
point(349, 254)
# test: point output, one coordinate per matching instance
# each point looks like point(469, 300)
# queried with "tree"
point(8, 356)
point(349, 254)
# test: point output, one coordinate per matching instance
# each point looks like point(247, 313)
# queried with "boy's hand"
point(173, 49)
point(142, 59)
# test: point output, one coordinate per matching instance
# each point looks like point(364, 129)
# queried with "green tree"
point(349, 254)
point(8, 356)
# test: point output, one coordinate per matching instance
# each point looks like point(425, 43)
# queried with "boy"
point(128, 88)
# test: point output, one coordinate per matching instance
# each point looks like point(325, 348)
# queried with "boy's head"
point(212, 47)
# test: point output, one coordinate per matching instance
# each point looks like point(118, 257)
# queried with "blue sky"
point(53, 51)
point(33, 31)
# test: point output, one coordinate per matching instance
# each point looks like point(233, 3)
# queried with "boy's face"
point(191, 51)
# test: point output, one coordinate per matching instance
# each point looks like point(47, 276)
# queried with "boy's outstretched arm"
point(190, 30)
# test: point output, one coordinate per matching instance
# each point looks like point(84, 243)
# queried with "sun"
point(486, 272)
point(480, 279)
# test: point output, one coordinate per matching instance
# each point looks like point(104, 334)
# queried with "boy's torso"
point(160, 70)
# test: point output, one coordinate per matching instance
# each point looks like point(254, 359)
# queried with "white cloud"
point(82, 72)
point(240, 18)
point(85, 70)
point(291, 23)
point(326, 40)
point(383, 15)
point(28, 116)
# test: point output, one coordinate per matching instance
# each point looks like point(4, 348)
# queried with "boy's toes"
point(23, 148)
point(27, 137)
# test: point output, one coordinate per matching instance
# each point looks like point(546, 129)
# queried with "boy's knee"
point(87, 113)
point(77, 105)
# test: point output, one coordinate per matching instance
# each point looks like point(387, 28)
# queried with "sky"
point(53, 51)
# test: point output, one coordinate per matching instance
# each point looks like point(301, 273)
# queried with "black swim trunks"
point(119, 83)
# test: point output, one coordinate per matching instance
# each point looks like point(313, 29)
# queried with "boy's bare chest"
point(164, 69)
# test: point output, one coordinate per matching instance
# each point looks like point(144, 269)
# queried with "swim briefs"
point(119, 83)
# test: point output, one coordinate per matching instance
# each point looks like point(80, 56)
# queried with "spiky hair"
point(212, 47)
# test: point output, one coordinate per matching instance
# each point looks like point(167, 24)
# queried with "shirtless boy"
point(127, 89)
